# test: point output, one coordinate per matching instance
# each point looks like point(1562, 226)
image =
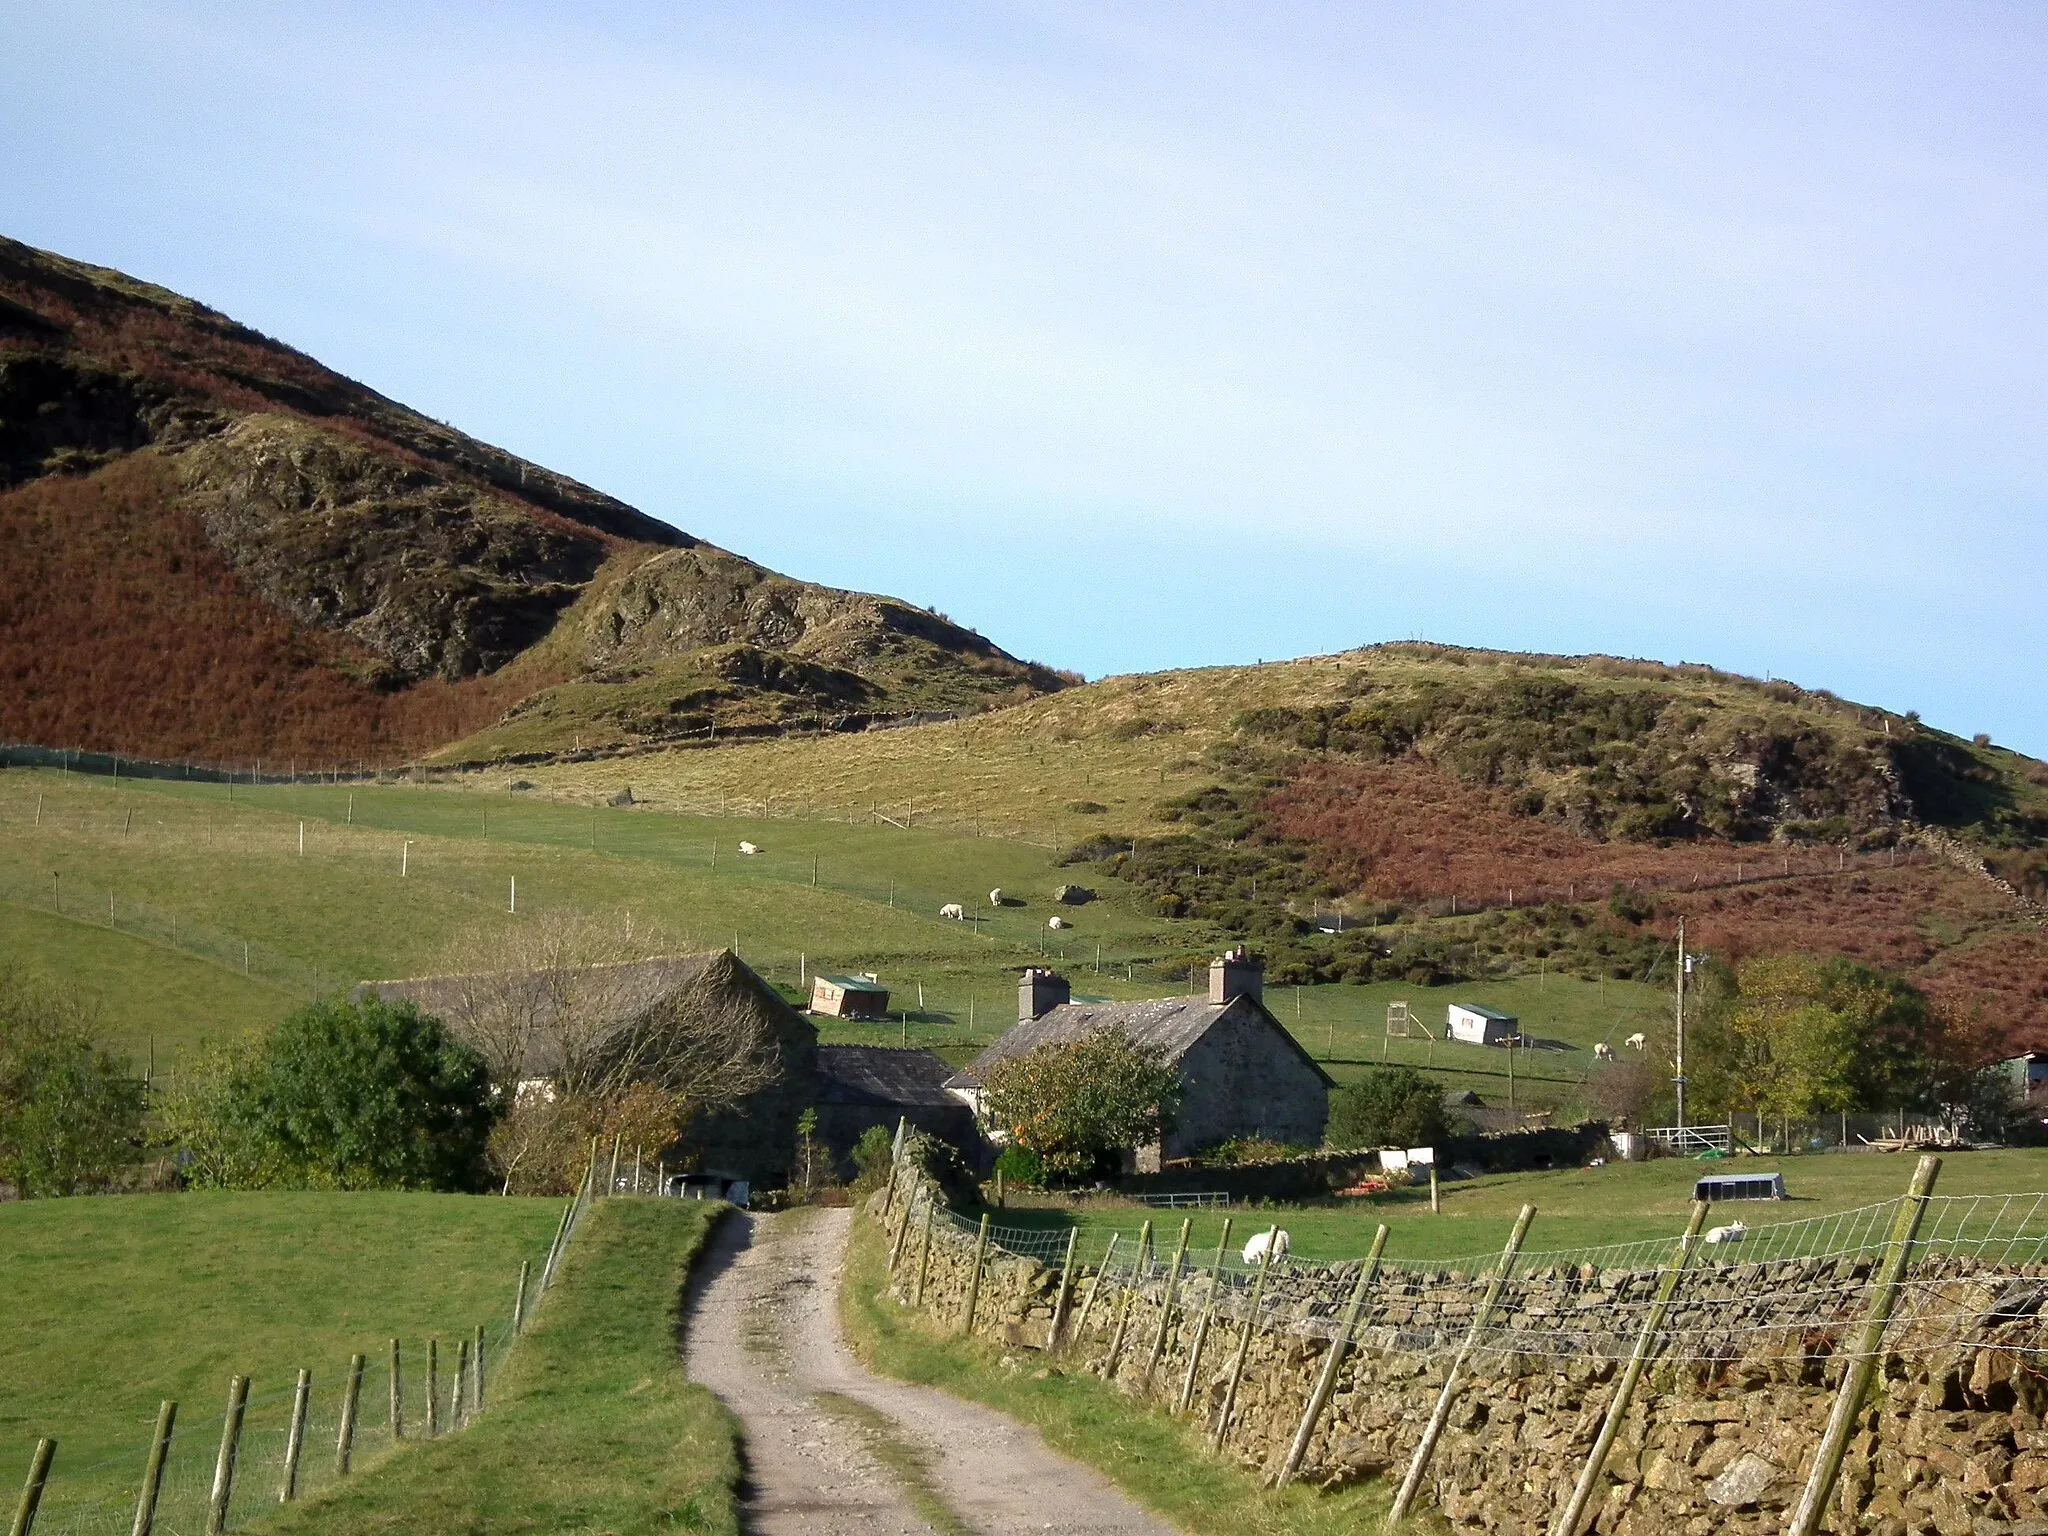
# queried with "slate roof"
point(1170, 1025)
point(883, 1076)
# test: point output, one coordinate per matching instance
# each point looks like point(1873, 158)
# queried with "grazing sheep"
point(1256, 1248)
point(749, 849)
point(1734, 1232)
point(1055, 922)
point(1603, 1052)
point(1636, 1042)
point(954, 910)
point(995, 897)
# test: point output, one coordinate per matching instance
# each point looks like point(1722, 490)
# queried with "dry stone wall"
point(1721, 1433)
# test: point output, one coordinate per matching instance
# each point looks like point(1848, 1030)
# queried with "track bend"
point(832, 1450)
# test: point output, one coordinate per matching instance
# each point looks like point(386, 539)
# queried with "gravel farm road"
point(833, 1450)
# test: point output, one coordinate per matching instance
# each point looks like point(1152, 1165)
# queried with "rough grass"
point(1160, 1462)
point(1576, 1208)
point(114, 1304)
point(592, 1426)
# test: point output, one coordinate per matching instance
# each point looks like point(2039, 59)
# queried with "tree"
point(1073, 1102)
point(1388, 1107)
point(70, 1115)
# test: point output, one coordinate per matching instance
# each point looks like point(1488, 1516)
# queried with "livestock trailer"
point(1480, 1026)
point(1740, 1186)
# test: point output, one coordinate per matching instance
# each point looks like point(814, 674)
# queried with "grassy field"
point(190, 867)
point(114, 1304)
point(592, 1426)
point(1162, 1463)
point(1576, 1208)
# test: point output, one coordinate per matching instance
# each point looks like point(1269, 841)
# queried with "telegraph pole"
point(1679, 1079)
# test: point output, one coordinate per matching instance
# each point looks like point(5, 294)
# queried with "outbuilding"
point(1740, 1186)
point(1480, 1026)
point(848, 997)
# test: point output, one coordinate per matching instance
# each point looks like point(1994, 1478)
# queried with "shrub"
point(1389, 1107)
point(872, 1156)
point(1075, 1102)
point(1022, 1167)
point(70, 1115)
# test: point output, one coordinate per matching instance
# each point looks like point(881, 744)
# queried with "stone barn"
point(533, 1027)
point(860, 1086)
point(1241, 1073)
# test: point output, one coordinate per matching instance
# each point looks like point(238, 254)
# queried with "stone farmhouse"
point(1241, 1073)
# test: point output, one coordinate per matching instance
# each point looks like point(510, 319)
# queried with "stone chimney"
point(1040, 992)
point(1236, 973)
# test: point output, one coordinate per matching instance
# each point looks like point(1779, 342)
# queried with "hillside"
point(212, 546)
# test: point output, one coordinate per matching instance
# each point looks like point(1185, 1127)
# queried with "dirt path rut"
point(833, 1450)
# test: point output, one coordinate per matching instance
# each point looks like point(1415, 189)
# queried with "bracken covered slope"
point(212, 545)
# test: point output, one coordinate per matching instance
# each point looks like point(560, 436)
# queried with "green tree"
point(1388, 1107)
point(70, 1115)
point(1075, 1102)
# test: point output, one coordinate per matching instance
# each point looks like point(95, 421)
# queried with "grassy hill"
point(211, 546)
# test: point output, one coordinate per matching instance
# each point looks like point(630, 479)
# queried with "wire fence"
point(408, 1390)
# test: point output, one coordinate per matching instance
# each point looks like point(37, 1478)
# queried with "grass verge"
point(1158, 1460)
point(592, 1425)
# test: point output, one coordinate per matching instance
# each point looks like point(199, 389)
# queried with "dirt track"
point(832, 1450)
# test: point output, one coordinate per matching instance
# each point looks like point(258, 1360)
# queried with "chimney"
point(1236, 973)
point(1040, 992)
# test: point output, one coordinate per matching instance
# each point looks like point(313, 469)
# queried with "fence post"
point(476, 1377)
point(590, 1173)
point(924, 1254)
point(224, 1463)
point(351, 1396)
point(433, 1388)
point(397, 1396)
point(974, 1285)
point(1862, 1365)
point(295, 1438)
point(1339, 1347)
point(519, 1299)
point(1625, 1389)
point(1433, 1430)
point(889, 1189)
point(1244, 1343)
point(1059, 1303)
point(1123, 1311)
point(1180, 1252)
point(902, 1230)
point(611, 1183)
point(457, 1407)
point(32, 1490)
point(153, 1471)
point(547, 1270)
point(1187, 1387)
point(1095, 1290)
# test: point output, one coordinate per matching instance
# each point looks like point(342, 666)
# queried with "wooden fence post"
point(590, 1173)
point(924, 1255)
point(456, 1406)
point(295, 1438)
point(519, 1300)
point(974, 1284)
point(547, 1270)
point(1625, 1389)
point(1059, 1302)
point(397, 1396)
point(1123, 1311)
point(224, 1464)
point(1862, 1365)
point(902, 1230)
point(1095, 1290)
point(476, 1373)
point(889, 1188)
point(1434, 1429)
point(433, 1388)
point(1180, 1253)
point(611, 1183)
point(32, 1490)
point(351, 1397)
point(1244, 1343)
point(153, 1471)
point(1339, 1347)
point(1187, 1387)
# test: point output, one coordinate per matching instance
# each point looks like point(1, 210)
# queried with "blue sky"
point(1145, 336)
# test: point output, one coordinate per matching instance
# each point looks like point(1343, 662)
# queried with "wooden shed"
point(848, 997)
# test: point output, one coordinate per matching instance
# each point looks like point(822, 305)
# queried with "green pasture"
point(114, 1304)
point(1576, 1208)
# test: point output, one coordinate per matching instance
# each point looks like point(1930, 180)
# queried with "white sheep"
point(995, 897)
point(749, 849)
point(954, 910)
point(1603, 1051)
point(1734, 1232)
point(1256, 1248)
point(1636, 1042)
point(1055, 922)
